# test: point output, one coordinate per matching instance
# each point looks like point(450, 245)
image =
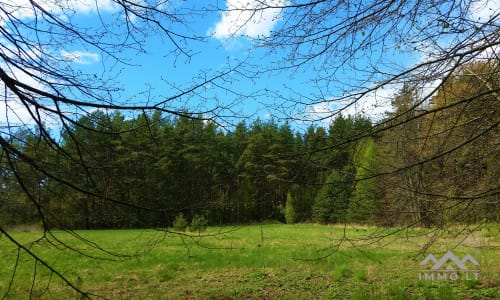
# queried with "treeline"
point(418, 167)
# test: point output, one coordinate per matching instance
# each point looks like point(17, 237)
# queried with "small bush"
point(360, 275)
point(180, 223)
point(342, 272)
point(445, 292)
point(198, 223)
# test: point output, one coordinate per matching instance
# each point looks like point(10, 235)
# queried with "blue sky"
point(227, 40)
point(159, 74)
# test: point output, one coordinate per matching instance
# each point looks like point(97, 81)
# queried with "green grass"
point(248, 262)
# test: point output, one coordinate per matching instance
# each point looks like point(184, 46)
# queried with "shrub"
point(198, 223)
point(180, 223)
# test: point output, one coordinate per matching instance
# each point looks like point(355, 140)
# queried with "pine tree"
point(362, 205)
point(332, 201)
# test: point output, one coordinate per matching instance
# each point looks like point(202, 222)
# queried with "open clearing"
point(251, 262)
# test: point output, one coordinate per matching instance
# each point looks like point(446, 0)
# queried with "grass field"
point(250, 262)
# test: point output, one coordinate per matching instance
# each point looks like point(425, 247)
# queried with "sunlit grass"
point(272, 261)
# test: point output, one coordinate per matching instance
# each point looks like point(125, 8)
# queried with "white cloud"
point(247, 18)
point(12, 110)
point(90, 6)
point(483, 10)
point(80, 57)
point(320, 111)
point(373, 105)
point(15, 112)
point(25, 9)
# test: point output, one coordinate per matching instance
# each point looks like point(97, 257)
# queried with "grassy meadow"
point(273, 261)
